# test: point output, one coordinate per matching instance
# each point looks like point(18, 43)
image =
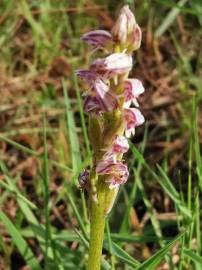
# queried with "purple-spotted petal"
point(133, 118)
point(132, 89)
point(92, 105)
point(117, 172)
point(97, 38)
point(87, 75)
point(100, 100)
point(120, 145)
point(107, 98)
point(116, 63)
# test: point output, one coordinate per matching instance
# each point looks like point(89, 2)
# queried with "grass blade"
point(73, 138)
point(193, 256)
point(169, 18)
point(21, 244)
point(154, 260)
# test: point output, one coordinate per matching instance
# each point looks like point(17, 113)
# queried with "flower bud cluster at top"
point(109, 90)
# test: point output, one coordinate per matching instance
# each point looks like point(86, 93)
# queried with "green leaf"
point(154, 260)
point(71, 127)
point(77, 214)
point(192, 255)
point(172, 192)
point(21, 244)
point(170, 18)
point(121, 254)
point(29, 151)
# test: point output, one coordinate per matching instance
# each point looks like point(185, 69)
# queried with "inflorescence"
point(110, 97)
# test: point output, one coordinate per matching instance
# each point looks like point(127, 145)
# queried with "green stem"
point(96, 234)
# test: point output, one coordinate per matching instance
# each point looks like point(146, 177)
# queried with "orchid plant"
point(108, 99)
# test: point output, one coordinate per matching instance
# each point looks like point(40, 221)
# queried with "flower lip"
point(117, 172)
point(132, 89)
point(120, 145)
point(97, 105)
point(133, 118)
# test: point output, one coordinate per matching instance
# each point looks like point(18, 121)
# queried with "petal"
point(116, 63)
point(118, 171)
point(133, 117)
point(107, 98)
point(119, 29)
point(120, 145)
point(132, 89)
point(135, 38)
point(97, 38)
point(86, 75)
point(92, 105)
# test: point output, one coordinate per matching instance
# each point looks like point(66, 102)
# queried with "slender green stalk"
point(96, 235)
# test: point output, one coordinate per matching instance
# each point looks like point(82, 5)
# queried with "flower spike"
point(108, 95)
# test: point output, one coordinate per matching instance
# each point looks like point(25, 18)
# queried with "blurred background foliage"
point(44, 143)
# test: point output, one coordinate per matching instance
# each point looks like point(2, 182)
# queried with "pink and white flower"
point(107, 94)
point(97, 38)
point(116, 63)
point(119, 146)
point(132, 89)
point(100, 99)
point(107, 98)
point(133, 118)
point(92, 105)
point(117, 172)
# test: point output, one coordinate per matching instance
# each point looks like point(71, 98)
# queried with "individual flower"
point(117, 172)
point(98, 38)
point(99, 99)
point(132, 89)
point(116, 63)
point(133, 118)
point(92, 105)
point(119, 146)
point(124, 25)
point(107, 98)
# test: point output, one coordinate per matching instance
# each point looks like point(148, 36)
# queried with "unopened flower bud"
point(124, 25)
point(135, 38)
